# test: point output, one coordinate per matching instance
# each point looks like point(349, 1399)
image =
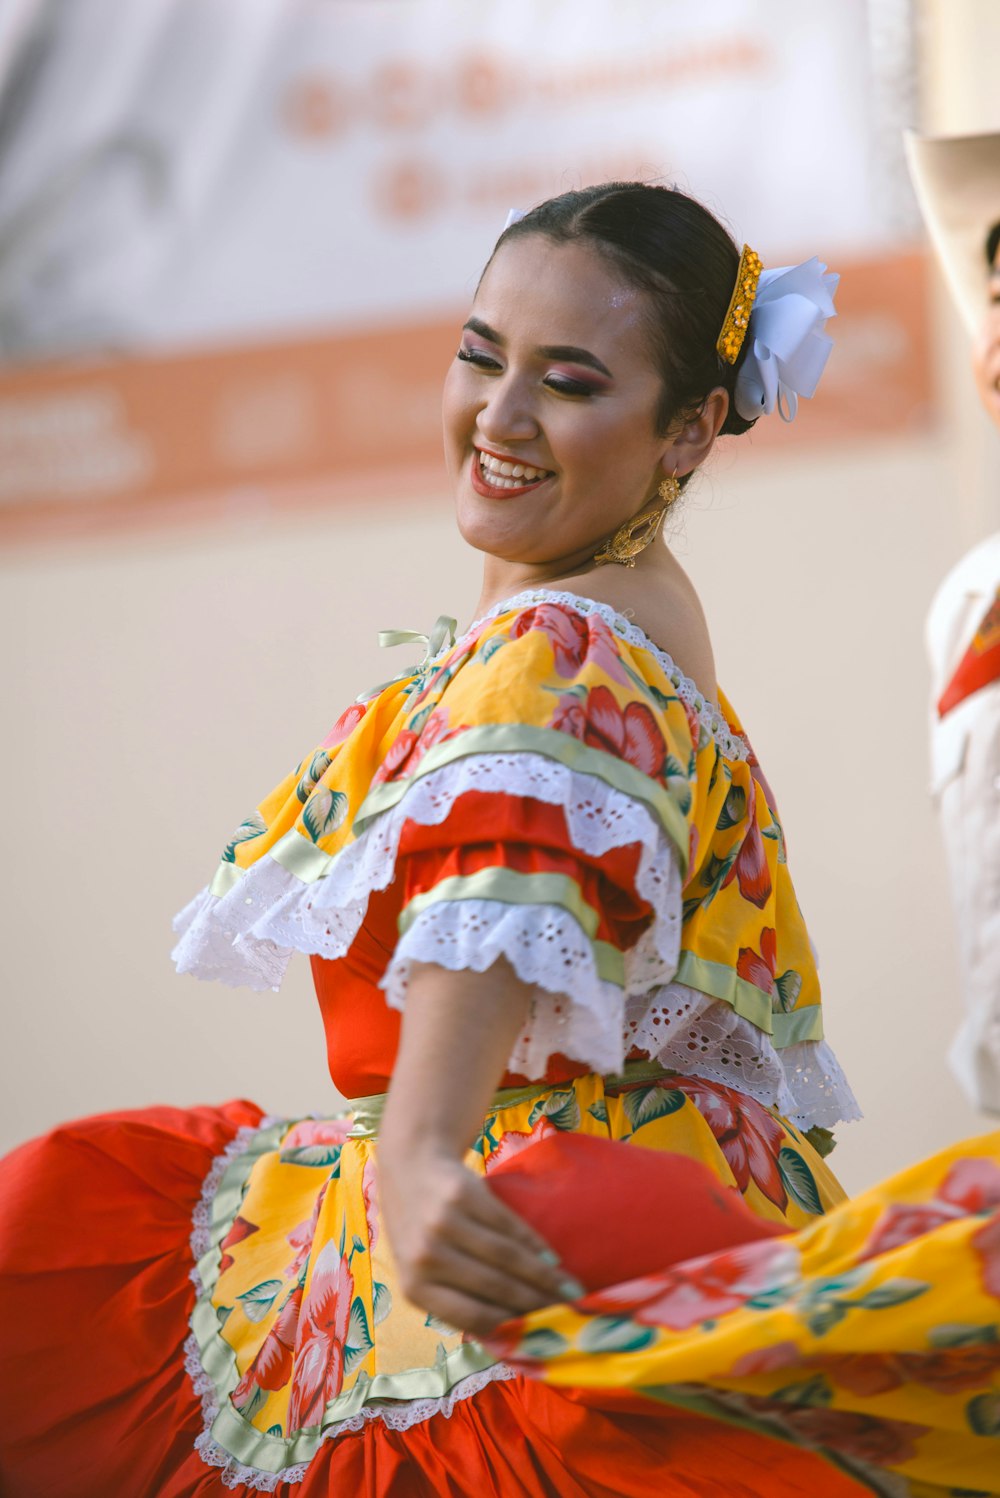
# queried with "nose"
point(507, 413)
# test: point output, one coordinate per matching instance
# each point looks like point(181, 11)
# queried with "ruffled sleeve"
point(534, 794)
point(552, 791)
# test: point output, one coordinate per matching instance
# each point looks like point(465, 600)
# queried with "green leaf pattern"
point(323, 813)
point(251, 827)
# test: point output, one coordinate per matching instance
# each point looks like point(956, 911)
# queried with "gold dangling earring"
point(636, 534)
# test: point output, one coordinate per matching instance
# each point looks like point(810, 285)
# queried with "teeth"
point(503, 474)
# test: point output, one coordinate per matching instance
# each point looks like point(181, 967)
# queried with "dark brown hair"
point(992, 244)
point(668, 246)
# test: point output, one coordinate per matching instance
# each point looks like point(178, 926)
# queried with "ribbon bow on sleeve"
point(441, 637)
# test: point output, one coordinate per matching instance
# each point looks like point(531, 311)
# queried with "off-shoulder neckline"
point(709, 713)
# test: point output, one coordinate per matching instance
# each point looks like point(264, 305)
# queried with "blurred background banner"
point(237, 236)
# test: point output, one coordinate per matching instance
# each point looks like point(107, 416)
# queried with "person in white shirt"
point(958, 185)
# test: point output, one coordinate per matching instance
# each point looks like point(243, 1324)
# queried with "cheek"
point(457, 410)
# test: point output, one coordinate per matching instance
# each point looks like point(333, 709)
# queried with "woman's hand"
point(462, 1255)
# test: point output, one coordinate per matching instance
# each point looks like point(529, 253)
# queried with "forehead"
point(549, 293)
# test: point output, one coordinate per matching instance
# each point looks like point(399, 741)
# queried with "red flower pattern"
point(301, 1237)
point(272, 1367)
point(319, 1347)
point(576, 639)
point(750, 870)
point(986, 1246)
point(867, 1438)
point(971, 1185)
point(240, 1229)
point(700, 1289)
point(515, 1140)
point(947, 1372)
point(369, 1191)
point(759, 968)
point(631, 733)
point(345, 724)
point(747, 1134)
point(409, 748)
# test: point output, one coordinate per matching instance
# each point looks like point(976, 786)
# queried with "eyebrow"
point(567, 351)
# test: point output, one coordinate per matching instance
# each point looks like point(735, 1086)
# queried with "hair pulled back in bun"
point(668, 246)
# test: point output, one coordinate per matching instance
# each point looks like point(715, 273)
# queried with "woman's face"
point(550, 406)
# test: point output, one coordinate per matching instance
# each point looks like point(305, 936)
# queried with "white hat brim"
point(957, 182)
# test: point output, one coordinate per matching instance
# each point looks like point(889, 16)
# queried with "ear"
point(693, 439)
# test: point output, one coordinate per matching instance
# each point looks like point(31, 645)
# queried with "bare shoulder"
point(664, 604)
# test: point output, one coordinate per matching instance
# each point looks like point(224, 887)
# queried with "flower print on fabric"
point(413, 743)
point(322, 1334)
point(576, 640)
point(240, 1229)
point(986, 1246)
point(749, 1137)
point(701, 1289)
point(301, 1236)
point(345, 725)
point(750, 868)
point(272, 1367)
point(761, 969)
point(513, 1141)
point(369, 1192)
point(629, 733)
point(971, 1185)
point(866, 1438)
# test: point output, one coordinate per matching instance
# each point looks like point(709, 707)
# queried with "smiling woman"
point(576, 1233)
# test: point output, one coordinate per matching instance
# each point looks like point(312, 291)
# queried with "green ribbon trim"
point(253, 1448)
point(307, 862)
point(721, 982)
point(441, 637)
point(800, 1024)
point(227, 876)
point(510, 887)
point(513, 738)
point(724, 983)
point(367, 1111)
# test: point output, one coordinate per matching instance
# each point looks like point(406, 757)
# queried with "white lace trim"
point(709, 714)
point(681, 1028)
point(690, 1032)
point(578, 1013)
point(246, 937)
point(397, 1416)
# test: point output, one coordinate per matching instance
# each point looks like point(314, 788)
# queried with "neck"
point(574, 574)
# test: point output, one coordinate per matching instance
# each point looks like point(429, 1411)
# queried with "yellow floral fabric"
point(566, 679)
point(872, 1333)
point(300, 1322)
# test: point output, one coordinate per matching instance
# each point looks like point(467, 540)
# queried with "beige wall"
point(157, 686)
point(160, 685)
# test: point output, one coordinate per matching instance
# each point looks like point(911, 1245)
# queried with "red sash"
point(979, 665)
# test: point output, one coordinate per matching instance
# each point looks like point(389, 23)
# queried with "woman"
point(551, 850)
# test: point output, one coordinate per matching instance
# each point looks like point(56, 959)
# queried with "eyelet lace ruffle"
point(247, 936)
point(679, 1027)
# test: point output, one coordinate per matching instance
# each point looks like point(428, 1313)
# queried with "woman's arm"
point(462, 1254)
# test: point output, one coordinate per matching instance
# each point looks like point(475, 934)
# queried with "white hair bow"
point(788, 347)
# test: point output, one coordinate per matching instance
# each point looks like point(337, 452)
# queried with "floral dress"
point(225, 1313)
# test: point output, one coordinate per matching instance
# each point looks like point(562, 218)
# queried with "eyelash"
point(562, 387)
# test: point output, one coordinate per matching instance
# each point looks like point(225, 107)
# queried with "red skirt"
point(95, 1297)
